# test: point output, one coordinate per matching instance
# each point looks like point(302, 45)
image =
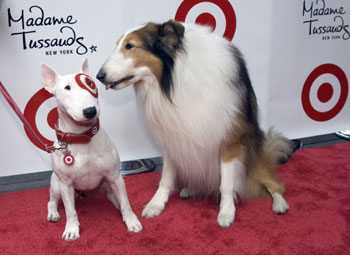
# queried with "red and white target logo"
point(34, 109)
point(218, 14)
point(94, 131)
point(85, 82)
point(68, 159)
point(325, 92)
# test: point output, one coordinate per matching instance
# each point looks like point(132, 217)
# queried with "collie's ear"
point(170, 37)
point(48, 77)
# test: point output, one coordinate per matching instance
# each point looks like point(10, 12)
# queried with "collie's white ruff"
point(191, 128)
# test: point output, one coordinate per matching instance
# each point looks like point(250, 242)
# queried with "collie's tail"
point(277, 146)
point(262, 179)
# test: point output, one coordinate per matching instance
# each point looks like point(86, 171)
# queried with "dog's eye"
point(129, 46)
point(67, 87)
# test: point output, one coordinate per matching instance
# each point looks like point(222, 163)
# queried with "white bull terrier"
point(84, 157)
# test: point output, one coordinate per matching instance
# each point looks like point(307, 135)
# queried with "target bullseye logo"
point(85, 82)
point(68, 159)
point(326, 92)
point(30, 113)
point(207, 18)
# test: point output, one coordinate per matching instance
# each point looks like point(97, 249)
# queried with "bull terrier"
point(84, 158)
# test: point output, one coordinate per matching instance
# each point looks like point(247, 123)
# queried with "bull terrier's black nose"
point(101, 76)
point(89, 112)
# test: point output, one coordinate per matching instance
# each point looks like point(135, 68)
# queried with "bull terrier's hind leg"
point(110, 195)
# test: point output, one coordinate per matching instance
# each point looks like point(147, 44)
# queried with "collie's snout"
point(101, 76)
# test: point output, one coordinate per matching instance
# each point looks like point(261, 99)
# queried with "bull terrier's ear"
point(85, 67)
point(48, 77)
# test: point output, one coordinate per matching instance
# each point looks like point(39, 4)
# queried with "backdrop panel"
point(309, 93)
point(274, 38)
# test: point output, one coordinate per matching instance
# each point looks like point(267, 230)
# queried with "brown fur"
point(258, 153)
point(139, 54)
point(263, 177)
point(260, 159)
point(229, 150)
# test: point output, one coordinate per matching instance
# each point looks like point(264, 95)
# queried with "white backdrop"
point(310, 35)
point(273, 36)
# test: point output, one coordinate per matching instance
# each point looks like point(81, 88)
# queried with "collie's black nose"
point(101, 76)
point(89, 112)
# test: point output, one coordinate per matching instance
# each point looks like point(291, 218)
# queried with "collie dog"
point(196, 95)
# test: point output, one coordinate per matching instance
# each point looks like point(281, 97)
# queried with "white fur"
point(231, 185)
point(279, 204)
point(96, 163)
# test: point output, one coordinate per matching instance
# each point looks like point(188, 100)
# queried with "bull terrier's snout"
point(89, 112)
point(101, 76)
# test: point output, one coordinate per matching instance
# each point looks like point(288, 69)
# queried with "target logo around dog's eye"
point(325, 93)
point(213, 13)
point(85, 82)
point(90, 83)
point(30, 113)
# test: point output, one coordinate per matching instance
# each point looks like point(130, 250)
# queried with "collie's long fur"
point(194, 90)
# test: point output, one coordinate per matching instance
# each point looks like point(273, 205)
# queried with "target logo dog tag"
point(68, 159)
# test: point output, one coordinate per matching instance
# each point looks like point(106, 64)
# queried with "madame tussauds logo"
point(35, 19)
point(326, 21)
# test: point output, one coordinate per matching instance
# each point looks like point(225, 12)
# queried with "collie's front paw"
point(152, 209)
point(186, 193)
point(225, 219)
point(71, 233)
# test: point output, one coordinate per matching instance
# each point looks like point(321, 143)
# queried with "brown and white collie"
point(196, 95)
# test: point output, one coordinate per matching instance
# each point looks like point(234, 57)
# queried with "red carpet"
point(318, 191)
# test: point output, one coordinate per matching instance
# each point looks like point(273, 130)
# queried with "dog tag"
point(68, 159)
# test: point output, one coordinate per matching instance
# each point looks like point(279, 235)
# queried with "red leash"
point(15, 107)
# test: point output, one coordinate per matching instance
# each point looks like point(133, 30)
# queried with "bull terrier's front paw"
point(152, 209)
point(53, 216)
point(132, 223)
point(71, 233)
point(52, 213)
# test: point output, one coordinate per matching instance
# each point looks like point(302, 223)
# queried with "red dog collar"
point(78, 138)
